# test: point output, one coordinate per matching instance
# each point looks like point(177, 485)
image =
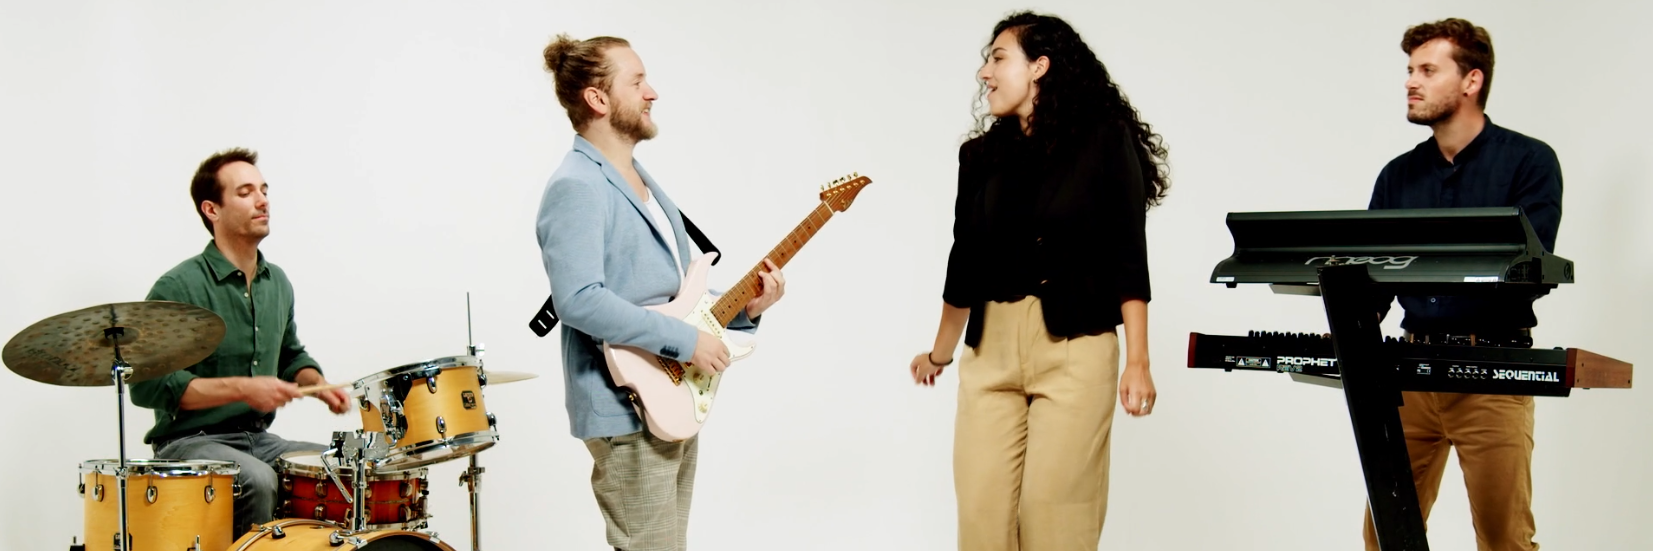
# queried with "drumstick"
point(306, 390)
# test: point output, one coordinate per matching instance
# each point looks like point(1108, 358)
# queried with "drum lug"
point(81, 489)
point(406, 489)
point(490, 420)
point(430, 382)
point(441, 426)
point(321, 489)
point(235, 489)
point(277, 533)
point(481, 378)
point(97, 493)
point(286, 484)
point(321, 511)
point(150, 494)
point(211, 494)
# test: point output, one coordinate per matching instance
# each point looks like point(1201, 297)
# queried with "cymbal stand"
point(118, 373)
point(472, 476)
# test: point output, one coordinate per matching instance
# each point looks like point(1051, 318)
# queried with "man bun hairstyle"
point(576, 65)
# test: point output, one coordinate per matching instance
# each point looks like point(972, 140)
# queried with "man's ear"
point(210, 209)
point(1473, 82)
point(596, 100)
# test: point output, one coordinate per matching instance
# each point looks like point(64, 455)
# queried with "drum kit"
point(365, 492)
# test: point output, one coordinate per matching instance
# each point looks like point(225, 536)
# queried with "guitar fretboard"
point(744, 291)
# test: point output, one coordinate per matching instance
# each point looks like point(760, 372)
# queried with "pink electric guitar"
point(674, 398)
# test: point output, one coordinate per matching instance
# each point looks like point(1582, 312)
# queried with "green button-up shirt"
point(260, 339)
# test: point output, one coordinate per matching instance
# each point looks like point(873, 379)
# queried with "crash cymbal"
point(156, 338)
point(502, 377)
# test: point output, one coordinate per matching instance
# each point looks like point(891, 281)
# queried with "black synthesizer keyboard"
point(1419, 367)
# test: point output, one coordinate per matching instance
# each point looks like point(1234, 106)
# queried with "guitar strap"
point(546, 318)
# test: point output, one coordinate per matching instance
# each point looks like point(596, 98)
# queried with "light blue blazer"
point(606, 258)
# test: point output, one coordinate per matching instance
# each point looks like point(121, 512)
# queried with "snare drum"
point(306, 535)
point(168, 503)
point(395, 499)
point(430, 411)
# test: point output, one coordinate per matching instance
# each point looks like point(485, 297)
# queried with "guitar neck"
point(747, 288)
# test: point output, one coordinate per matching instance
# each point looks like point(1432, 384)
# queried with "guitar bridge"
point(672, 368)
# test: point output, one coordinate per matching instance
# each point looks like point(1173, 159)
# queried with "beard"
point(1427, 114)
point(628, 122)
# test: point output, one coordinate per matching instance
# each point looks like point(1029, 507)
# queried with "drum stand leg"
point(472, 477)
point(119, 372)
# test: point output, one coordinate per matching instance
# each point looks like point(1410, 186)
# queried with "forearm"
point(206, 393)
point(951, 328)
point(1135, 312)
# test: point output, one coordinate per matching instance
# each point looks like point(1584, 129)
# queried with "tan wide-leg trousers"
point(1030, 451)
point(1493, 434)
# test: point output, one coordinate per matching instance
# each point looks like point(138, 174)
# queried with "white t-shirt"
point(665, 225)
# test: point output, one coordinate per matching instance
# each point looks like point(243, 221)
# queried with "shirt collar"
point(222, 268)
point(1488, 133)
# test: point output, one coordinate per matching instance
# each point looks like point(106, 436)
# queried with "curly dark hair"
point(1075, 97)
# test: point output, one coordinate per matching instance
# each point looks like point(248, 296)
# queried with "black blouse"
point(1066, 226)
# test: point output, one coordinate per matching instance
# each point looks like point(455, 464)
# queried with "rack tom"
point(431, 411)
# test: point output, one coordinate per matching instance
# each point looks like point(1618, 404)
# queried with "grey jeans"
point(255, 453)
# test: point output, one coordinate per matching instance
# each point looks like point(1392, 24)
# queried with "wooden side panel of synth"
point(1586, 369)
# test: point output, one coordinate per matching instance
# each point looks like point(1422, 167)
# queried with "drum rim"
point(368, 535)
point(443, 363)
point(157, 467)
point(286, 466)
point(472, 442)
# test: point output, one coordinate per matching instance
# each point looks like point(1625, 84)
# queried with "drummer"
point(222, 407)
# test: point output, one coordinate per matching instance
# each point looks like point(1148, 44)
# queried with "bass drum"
point(295, 534)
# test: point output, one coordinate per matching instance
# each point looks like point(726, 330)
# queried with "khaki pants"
point(1030, 452)
point(1493, 434)
point(644, 486)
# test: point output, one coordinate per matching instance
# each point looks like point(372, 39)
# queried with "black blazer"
point(1089, 250)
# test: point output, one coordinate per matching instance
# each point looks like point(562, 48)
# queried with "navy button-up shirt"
point(1499, 168)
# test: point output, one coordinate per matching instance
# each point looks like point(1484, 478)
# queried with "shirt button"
point(255, 362)
point(1431, 299)
point(245, 295)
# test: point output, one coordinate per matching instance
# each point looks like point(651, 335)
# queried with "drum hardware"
point(472, 476)
point(315, 534)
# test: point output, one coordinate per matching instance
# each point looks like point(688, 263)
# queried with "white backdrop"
point(407, 146)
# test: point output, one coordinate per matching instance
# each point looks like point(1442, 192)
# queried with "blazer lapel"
point(673, 216)
point(619, 182)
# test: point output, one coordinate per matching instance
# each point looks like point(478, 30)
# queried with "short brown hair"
point(579, 64)
point(1472, 47)
point(206, 187)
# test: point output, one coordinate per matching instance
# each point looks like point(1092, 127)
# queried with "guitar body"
point(674, 398)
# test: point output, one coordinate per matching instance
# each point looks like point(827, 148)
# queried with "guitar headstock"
point(841, 192)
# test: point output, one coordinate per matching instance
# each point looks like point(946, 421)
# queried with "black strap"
point(546, 318)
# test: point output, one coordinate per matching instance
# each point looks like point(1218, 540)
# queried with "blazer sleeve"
point(1125, 199)
point(960, 289)
point(572, 217)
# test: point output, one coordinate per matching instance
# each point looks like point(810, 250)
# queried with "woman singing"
point(1049, 257)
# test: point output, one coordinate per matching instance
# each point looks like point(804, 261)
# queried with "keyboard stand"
point(1374, 402)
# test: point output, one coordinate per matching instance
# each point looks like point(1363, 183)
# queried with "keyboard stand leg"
point(1374, 407)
